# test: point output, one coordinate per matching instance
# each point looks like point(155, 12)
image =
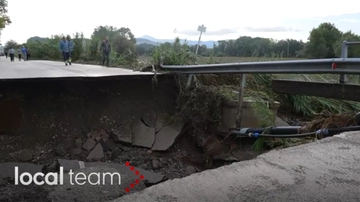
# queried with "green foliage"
point(353, 51)
point(203, 101)
point(308, 106)
point(11, 44)
point(322, 41)
point(173, 54)
point(4, 18)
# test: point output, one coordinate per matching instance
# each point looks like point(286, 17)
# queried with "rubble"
point(97, 153)
point(143, 135)
point(89, 144)
point(24, 155)
point(150, 120)
point(166, 137)
point(124, 134)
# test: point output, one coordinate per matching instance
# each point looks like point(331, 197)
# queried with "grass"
point(205, 60)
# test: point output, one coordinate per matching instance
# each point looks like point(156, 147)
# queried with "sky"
point(167, 19)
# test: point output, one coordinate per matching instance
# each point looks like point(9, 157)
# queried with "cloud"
point(350, 20)
point(271, 29)
point(219, 32)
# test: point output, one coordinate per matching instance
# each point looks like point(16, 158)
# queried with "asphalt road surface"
point(326, 170)
point(49, 69)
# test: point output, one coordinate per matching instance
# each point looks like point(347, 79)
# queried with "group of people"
point(66, 47)
point(22, 52)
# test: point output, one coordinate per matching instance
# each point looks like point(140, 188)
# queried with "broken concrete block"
point(166, 137)
point(104, 145)
point(76, 151)
point(60, 151)
point(89, 144)
point(122, 135)
point(104, 134)
point(78, 142)
point(8, 169)
point(96, 154)
point(143, 136)
point(24, 155)
point(70, 164)
point(160, 122)
point(95, 134)
point(150, 119)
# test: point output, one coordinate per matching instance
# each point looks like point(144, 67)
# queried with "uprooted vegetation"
point(209, 91)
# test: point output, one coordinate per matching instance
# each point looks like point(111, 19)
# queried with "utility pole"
point(201, 29)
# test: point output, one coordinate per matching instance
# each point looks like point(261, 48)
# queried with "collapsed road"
point(92, 119)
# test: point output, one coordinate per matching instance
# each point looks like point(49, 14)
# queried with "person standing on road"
point(64, 48)
point(19, 53)
point(71, 47)
point(6, 53)
point(23, 50)
point(27, 53)
point(12, 54)
point(106, 49)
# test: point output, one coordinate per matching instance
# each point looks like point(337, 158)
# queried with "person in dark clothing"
point(106, 49)
point(71, 47)
point(19, 53)
point(6, 53)
point(12, 54)
point(27, 53)
point(65, 49)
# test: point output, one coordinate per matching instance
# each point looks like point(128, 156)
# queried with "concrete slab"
point(326, 170)
point(166, 137)
point(7, 170)
point(97, 153)
point(50, 69)
point(150, 119)
point(143, 136)
point(123, 134)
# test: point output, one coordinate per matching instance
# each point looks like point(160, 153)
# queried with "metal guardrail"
point(315, 66)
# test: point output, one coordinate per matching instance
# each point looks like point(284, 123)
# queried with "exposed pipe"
point(289, 132)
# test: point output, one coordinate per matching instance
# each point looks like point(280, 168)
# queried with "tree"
point(122, 41)
point(322, 41)
point(11, 44)
point(4, 19)
point(353, 51)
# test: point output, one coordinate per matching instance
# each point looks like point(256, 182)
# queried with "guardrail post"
point(344, 54)
point(189, 81)
point(240, 100)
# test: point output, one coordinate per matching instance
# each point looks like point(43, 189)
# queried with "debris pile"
point(329, 120)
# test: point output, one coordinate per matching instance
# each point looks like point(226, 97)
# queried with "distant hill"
point(146, 40)
point(153, 41)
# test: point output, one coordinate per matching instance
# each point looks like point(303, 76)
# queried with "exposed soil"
point(46, 119)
